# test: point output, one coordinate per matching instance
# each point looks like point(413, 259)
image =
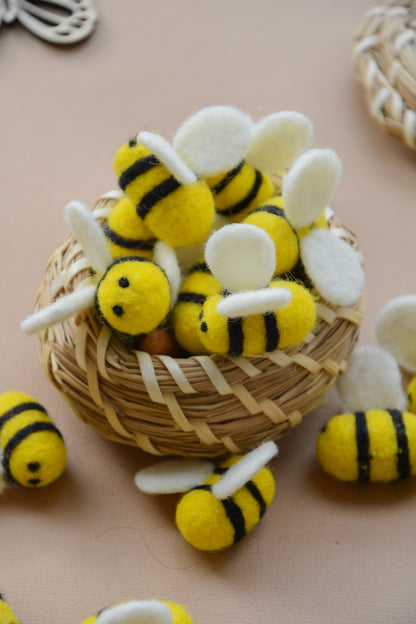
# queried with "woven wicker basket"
point(197, 406)
point(385, 59)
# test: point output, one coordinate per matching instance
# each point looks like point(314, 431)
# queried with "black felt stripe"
point(235, 516)
point(272, 331)
point(270, 209)
point(18, 409)
point(220, 471)
point(403, 459)
point(229, 177)
point(191, 297)
point(127, 243)
point(256, 494)
point(235, 335)
point(246, 201)
point(18, 437)
point(201, 266)
point(159, 192)
point(363, 445)
point(138, 168)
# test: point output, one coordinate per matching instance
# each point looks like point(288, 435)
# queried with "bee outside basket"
point(200, 406)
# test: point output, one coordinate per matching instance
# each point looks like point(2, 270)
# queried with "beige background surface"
point(325, 552)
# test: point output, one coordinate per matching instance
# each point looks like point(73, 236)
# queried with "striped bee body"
point(33, 451)
point(177, 213)
point(126, 232)
point(240, 190)
point(211, 524)
point(376, 445)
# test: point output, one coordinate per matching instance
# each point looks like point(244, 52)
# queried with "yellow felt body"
point(44, 450)
point(182, 218)
point(185, 314)
point(124, 221)
point(7, 615)
point(144, 301)
point(239, 188)
point(179, 614)
point(298, 318)
point(411, 395)
point(337, 450)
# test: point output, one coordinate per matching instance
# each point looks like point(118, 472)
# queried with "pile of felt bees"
point(215, 239)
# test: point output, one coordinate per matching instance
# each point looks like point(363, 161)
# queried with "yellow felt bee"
point(176, 206)
point(32, 450)
point(142, 612)
point(238, 157)
point(126, 232)
point(196, 287)
point(253, 314)
point(220, 505)
point(132, 295)
point(7, 615)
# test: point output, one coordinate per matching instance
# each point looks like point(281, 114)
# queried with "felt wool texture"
point(309, 185)
point(165, 256)
point(372, 380)
point(126, 232)
point(195, 288)
point(254, 302)
point(396, 330)
point(240, 190)
point(271, 218)
point(179, 215)
point(175, 475)
point(212, 525)
point(214, 139)
point(133, 296)
point(241, 256)
point(7, 615)
point(167, 156)
point(376, 445)
point(89, 235)
point(61, 309)
point(333, 266)
point(278, 139)
point(33, 451)
point(298, 318)
point(411, 396)
point(142, 612)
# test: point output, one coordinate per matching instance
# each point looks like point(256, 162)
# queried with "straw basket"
point(385, 58)
point(197, 406)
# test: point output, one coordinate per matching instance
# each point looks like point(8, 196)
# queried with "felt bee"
point(31, 447)
point(220, 505)
point(175, 205)
point(141, 612)
point(126, 232)
point(253, 314)
point(196, 287)
point(7, 615)
point(377, 440)
point(237, 157)
point(131, 295)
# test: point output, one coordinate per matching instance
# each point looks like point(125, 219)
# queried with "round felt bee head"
point(132, 295)
point(237, 157)
point(220, 505)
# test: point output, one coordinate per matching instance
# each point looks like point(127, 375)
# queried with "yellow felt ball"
point(376, 445)
point(7, 615)
point(196, 287)
point(270, 217)
point(133, 296)
point(33, 450)
point(126, 232)
point(240, 190)
point(298, 318)
point(411, 396)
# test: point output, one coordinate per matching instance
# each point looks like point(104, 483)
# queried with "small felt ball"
point(158, 342)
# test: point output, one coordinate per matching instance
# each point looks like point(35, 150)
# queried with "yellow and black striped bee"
point(367, 446)
point(7, 615)
point(241, 156)
point(156, 611)
point(175, 205)
point(126, 232)
point(220, 505)
point(32, 449)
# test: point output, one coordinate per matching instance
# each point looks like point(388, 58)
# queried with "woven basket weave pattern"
point(385, 58)
point(198, 406)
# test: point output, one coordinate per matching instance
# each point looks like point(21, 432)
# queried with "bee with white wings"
point(142, 612)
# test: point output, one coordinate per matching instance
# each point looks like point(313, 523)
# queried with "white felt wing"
point(254, 302)
point(171, 476)
point(136, 612)
point(372, 380)
point(241, 256)
point(396, 330)
point(244, 470)
point(89, 234)
point(309, 186)
point(165, 256)
point(214, 140)
point(333, 267)
point(278, 139)
point(167, 155)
